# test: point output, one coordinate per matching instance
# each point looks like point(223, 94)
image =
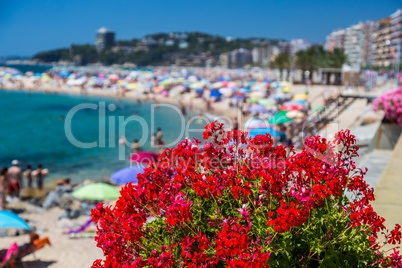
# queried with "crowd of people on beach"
point(14, 178)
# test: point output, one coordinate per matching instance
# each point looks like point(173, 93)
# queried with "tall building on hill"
point(381, 43)
point(263, 56)
point(104, 39)
point(336, 39)
point(240, 57)
point(297, 45)
point(396, 36)
point(358, 43)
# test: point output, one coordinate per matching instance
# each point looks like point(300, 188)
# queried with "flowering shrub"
point(391, 104)
point(243, 202)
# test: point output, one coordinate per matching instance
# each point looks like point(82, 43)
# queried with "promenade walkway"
point(388, 192)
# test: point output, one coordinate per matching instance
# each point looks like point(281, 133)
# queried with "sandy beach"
point(65, 251)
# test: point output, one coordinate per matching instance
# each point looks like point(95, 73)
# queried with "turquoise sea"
point(32, 130)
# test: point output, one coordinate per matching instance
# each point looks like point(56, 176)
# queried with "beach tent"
point(9, 219)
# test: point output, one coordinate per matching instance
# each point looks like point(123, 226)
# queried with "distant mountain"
point(192, 48)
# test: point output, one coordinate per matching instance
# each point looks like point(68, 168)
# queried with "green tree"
point(282, 62)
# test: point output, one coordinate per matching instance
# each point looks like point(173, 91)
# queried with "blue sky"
point(30, 26)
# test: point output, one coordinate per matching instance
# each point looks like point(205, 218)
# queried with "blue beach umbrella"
point(64, 74)
point(262, 131)
point(299, 102)
point(257, 109)
point(215, 93)
point(126, 175)
point(9, 219)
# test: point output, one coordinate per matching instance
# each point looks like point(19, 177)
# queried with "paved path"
point(388, 192)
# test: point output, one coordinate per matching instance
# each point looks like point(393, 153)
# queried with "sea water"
point(33, 130)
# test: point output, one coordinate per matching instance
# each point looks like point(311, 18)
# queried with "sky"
point(31, 26)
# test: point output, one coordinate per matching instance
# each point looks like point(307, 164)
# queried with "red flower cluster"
point(244, 202)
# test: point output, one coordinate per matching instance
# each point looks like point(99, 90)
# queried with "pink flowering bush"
point(391, 104)
point(244, 202)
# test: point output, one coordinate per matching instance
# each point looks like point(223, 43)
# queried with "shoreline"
point(189, 100)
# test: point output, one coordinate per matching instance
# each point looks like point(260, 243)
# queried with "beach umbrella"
point(167, 82)
point(143, 157)
point(295, 114)
point(291, 107)
point(285, 84)
point(113, 77)
point(300, 102)
point(275, 85)
point(226, 91)
point(217, 85)
point(177, 90)
point(267, 130)
point(197, 85)
point(9, 219)
point(279, 118)
point(318, 108)
point(257, 94)
point(255, 123)
point(239, 96)
point(267, 102)
point(97, 191)
point(159, 88)
point(126, 175)
point(257, 109)
point(121, 82)
point(254, 100)
point(215, 94)
point(300, 97)
point(64, 74)
point(165, 93)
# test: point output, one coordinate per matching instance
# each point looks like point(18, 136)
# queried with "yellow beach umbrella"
point(131, 86)
point(300, 97)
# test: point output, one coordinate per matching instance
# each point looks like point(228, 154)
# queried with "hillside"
point(192, 48)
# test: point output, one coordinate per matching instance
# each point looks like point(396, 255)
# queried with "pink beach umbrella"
point(291, 107)
point(143, 157)
point(113, 77)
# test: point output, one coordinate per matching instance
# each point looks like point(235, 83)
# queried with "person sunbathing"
point(35, 243)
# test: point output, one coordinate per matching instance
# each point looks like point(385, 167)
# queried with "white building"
point(104, 39)
point(263, 56)
point(336, 39)
point(396, 36)
point(297, 45)
point(354, 43)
